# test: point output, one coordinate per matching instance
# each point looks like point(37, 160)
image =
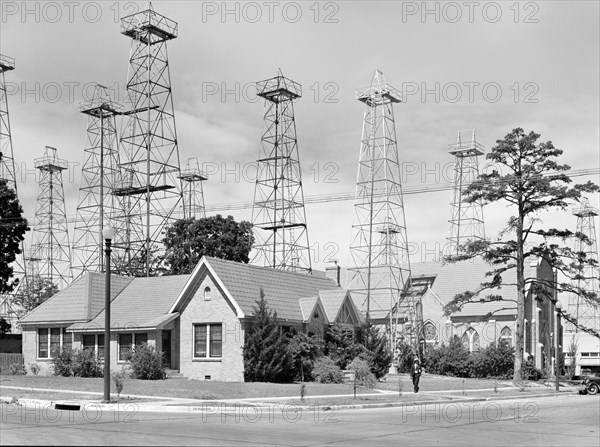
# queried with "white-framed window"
point(93, 342)
point(208, 340)
point(470, 340)
point(50, 339)
point(207, 293)
point(506, 335)
point(128, 341)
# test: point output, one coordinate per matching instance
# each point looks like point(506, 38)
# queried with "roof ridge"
point(269, 269)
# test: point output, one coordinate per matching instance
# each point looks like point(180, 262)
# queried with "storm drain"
point(67, 406)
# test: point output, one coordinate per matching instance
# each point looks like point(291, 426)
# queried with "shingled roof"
point(451, 279)
point(81, 301)
point(144, 304)
point(282, 289)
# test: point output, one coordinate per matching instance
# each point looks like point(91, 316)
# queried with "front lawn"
point(177, 388)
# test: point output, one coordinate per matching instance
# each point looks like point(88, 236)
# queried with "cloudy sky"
point(492, 66)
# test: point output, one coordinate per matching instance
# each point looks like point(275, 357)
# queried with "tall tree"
point(531, 182)
point(187, 240)
point(36, 291)
point(4, 327)
point(265, 347)
point(13, 227)
point(376, 343)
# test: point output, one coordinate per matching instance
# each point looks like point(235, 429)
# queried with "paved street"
point(562, 420)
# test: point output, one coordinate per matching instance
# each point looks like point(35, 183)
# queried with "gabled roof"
point(307, 306)
point(332, 302)
point(451, 279)
point(144, 304)
point(447, 280)
point(243, 282)
point(80, 301)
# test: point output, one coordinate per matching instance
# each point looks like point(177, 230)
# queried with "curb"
point(205, 407)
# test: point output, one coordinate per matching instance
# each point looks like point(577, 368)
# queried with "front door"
point(166, 348)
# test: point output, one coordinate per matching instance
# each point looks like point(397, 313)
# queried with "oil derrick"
point(8, 310)
point(151, 189)
point(50, 248)
point(379, 270)
point(586, 313)
point(7, 162)
point(97, 207)
point(278, 213)
point(192, 179)
point(466, 222)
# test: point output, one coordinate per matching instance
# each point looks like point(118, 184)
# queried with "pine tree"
point(265, 347)
point(376, 343)
point(532, 182)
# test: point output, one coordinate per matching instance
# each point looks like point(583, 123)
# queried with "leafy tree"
point(34, 292)
point(303, 350)
point(265, 347)
point(13, 227)
point(5, 326)
point(532, 182)
point(122, 263)
point(187, 240)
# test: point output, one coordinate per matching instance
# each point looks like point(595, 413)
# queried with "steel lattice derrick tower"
point(278, 214)
point(466, 222)
point(7, 162)
point(50, 246)
point(379, 269)
point(151, 185)
point(192, 179)
point(8, 173)
point(586, 313)
point(98, 207)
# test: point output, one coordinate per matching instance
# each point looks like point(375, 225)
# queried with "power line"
point(343, 196)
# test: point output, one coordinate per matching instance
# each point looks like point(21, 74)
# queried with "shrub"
point(364, 375)
point(62, 361)
point(147, 363)
point(340, 345)
point(35, 368)
point(499, 361)
point(85, 364)
point(325, 370)
point(302, 351)
point(378, 352)
point(119, 379)
point(451, 360)
point(405, 357)
point(17, 368)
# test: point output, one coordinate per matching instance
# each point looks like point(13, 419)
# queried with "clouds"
point(546, 71)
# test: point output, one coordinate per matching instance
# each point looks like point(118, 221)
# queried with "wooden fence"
point(9, 359)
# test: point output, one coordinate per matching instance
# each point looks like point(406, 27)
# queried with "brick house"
point(198, 320)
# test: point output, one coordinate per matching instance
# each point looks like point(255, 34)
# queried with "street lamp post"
point(108, 233)
point(558, 342)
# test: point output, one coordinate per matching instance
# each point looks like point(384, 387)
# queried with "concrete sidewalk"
point(219, 406)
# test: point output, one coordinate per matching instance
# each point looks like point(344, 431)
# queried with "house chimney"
point(333, 272)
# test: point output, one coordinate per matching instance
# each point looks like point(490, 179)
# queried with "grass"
point(185, 389)
point(207, 391)
point(431, 382)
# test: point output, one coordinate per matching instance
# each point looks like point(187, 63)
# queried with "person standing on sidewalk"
point(415, 373)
